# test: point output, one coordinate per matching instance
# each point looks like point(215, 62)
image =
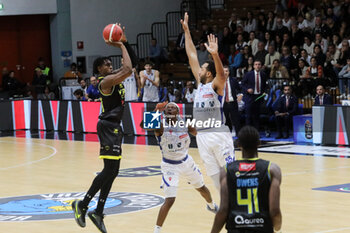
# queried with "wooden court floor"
point(34, 166)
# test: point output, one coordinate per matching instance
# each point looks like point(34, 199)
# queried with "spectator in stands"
point(315, 74)
point(232, 24)
point(42, 76)
point(156, 53)
point(240, 42)
point(83, 86)
point(253, 85)
point(322, 98)
point(278, 43)
point(297, 35)
point(261, 53)
point(132, 85)
point(318, 54)
point(307, 24)
point(253, 43)
point(247, 68)
point(73, 72)
point(13, 85)
point(333, 28)
point(180, 52)
point(246, 54)
point(286, 21)
point(227, 40)
point(206, 31)
point(319, 40)
point(344, 29)
point(171, 93)
point(230, 105)
point(336, 40)
point(308, 45)
point(305, 56)
point(163, 91)
point(79, 95)
point(294, 60)
point(268, 40)
point(278, 71)
point(304, 83)
point(320, 27)
point(344, 77)
point(270, 57)
point(286, 58)
point(178, 96)
point(92, 91)
point(235, 61)
point(344, 54)
point(189, 92)
point(202, 54)
point(286, 108)
point(250, 23)
point(329, 70)
point(271, 21)
point(279, 28)
point(262, 23)
point(150, 83)
point(47, 95)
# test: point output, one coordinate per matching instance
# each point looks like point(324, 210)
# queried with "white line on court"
point(334, 230)
point(30, 162)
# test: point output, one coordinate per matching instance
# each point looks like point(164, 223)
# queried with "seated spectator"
point(305, 56)
point(344, 77)
point(178, 96)
point(240, 42)
point(156, 53)
point(206, 31)
point(227, 40)
point(295, 56)
point(253, 43)
point(268, 41)
point(245, 69)
point(343, 55)
point(278, 43)
point(270, 57)
point(180, 52)
point(319, 40)
point(261, 53)
point(286, 59)
point(287, 106)
point(250, 23)
point(304, 83)
point(236, 61)
point(189, 93)
point(202, 54)
point(13, 85)
point(42, 76)
point(308, 45)
point(150, 83)
point(318, 54)
point(79, 95)
point(171, 93)
point(73, 72)
point(83, 86)
point(163, 92)
point(279, 28)
point(322, 98)
point(93, 94)
point(47, 95)
point(297, 35)
point(278, 71)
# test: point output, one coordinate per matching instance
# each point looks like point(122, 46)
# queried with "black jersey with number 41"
point(248, 184)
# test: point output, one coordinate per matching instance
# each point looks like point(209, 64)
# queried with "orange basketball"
point(112, 32)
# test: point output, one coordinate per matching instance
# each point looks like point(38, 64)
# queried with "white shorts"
point(172, 172)
point(216, 149)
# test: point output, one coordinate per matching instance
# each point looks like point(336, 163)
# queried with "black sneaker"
point(79, 213)
point(97, 219)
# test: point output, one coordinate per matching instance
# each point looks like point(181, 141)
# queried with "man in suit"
point(322, 98)
point(286, 107)
point(253, 85)
point(231, 104)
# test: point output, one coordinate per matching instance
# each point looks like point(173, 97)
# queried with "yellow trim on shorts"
point(113, 157)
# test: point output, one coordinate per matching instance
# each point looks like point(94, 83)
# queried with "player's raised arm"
point(219, 80)
point(221, 215)
point(190, 49)
point(125, 71)
point(274, 197)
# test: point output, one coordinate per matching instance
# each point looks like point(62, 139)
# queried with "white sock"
point(157, 229)
point(211, 205)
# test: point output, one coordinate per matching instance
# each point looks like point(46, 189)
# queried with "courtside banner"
point(70, 116)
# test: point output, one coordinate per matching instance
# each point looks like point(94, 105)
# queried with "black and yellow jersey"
point(248, 184)
point(113, 103)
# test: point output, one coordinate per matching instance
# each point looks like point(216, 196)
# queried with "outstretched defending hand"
point(161, 106)
point(184, 22)
point(213, 44)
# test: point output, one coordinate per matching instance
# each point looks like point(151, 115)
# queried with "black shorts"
point(246, 231)
point(111, 136)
